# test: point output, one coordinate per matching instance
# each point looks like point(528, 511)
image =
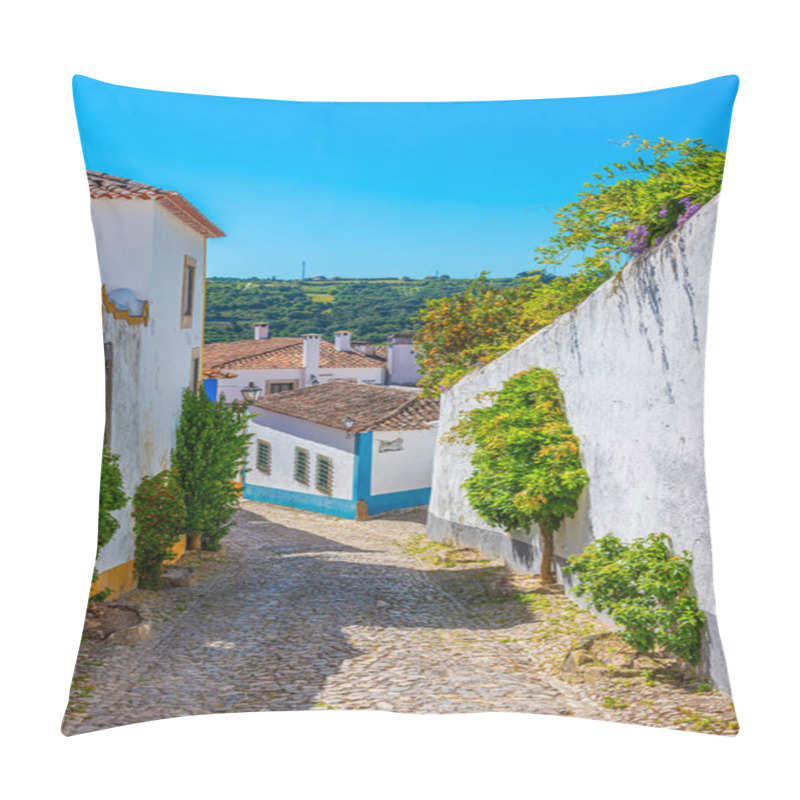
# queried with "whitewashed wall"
point(402, 364)
point(284, 433)
point(152, 364)
point(630, 361)
point(400, 470)
point(232, 387)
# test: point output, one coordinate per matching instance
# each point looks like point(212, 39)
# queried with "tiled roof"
point(103, 185)
point(286, 353)
point(371, 407)
point(218, 353)
point(415, 416)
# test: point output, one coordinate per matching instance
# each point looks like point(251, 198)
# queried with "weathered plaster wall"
point(151, 363)
point(630, 361)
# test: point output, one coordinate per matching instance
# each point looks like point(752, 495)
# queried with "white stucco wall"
point(402, 365)
point(375, 375)
point(630, 361)
point(284, 433)
point(232, 387)
point(400, 470)
point(152, 364)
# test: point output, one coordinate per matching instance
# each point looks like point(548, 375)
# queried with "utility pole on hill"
point(303, 272)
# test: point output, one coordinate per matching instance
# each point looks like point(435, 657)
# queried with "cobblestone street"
point(304, 611)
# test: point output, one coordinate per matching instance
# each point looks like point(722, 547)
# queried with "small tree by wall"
point(211, 443)
point(112, 498)
point(526, 463)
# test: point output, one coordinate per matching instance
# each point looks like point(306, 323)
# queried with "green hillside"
point(371, 309)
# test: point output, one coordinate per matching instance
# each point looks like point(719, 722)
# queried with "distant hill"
point(371, 309)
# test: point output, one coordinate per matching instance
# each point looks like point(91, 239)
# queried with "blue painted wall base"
point(334, 506)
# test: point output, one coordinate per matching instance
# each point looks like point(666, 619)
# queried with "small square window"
point(278, 387)
point(301, 459)
point(264, 456)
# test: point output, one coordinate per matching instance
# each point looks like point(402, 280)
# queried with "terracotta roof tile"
point(417, 415)
point(285, 353)
point(218, 353)
point(371, 407)
point(103, 185)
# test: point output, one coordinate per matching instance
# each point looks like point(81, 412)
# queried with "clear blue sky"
point(379, 189)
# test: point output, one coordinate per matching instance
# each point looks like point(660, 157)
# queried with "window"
point(301, 459)
point(264, 456)
point(108, 349)
point(187, 295)
point(324, 474)
point(195, 378)
point(276, 387)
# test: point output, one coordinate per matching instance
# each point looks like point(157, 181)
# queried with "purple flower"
point(690, 209)
point(663, 211)
point(637, 240)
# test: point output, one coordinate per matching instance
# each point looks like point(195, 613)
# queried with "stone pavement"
point(306, 611)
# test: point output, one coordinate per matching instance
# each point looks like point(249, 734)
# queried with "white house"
point(345, 449)
point(151, 247)
point(282, 364)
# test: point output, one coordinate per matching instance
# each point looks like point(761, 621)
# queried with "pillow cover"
point(404, 406)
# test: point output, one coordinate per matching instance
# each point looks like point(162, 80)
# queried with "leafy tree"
point(211, 443)
point(464, 331)
point(526, 462)
point(159, 515)
point(632, 205)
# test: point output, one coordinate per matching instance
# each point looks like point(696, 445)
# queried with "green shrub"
point(211, 443)
point(645, 590)
point(159, 514)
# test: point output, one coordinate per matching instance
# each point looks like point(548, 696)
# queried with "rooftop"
point(281, 353)
point(103, 185)
point(372, 408)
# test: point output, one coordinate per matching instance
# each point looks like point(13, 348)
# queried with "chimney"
point(261, 330)
point(341, 340)
point(401, 364)
point(311, 345)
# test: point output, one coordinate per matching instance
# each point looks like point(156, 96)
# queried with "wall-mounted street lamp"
point(251, 393)
point(348, 423)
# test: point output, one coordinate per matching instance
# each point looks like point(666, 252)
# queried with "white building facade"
point(151, 248)
point(347, 450)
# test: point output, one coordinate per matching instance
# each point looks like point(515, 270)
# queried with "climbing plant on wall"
point(211, 443)
point(630, 206)
point(633, 204)
point(526, 461)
